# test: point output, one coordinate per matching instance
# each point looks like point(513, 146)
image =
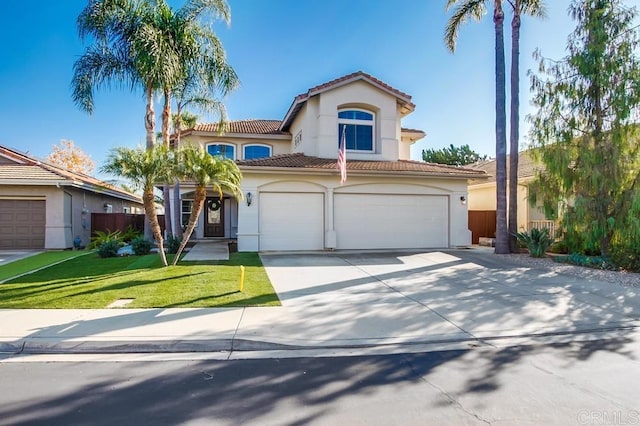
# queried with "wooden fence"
point(482, 223)
point(109, 222)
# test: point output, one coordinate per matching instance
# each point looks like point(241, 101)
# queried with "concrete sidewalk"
point(352, 300)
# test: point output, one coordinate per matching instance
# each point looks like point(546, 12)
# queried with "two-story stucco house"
point(294, 199)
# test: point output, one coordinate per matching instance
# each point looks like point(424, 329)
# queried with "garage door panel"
point(372, 221)
point(23, 224)
point(291, 221)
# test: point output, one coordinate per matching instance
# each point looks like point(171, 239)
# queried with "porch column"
point(330, 236)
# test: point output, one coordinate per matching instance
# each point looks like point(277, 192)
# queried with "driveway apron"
point(428, 297)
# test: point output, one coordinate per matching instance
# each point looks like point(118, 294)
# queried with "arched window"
point(252, 152)
point(223, 150)
point(359, 125)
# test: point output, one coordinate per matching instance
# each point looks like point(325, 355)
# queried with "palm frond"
point(467, 9)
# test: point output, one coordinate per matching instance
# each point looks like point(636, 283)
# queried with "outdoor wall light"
point(249, 198)
point(463, 200)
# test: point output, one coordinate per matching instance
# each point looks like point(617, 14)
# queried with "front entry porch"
point(218, 219)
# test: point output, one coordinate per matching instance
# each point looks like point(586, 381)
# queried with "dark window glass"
point(226, 151)
point(252, 152)
point(355, 115)
point(358, 137)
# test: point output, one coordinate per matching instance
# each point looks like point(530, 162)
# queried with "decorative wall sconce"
point(249, 198)
point(463, 200)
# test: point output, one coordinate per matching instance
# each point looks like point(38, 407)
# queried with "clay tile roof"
point(259, 127)
point(301, 161)
point(359, 75)
point(351, 76)
point(21, 172)
point(527, 167)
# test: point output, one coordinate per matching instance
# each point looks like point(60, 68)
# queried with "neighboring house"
point(45, 206)
point(293, 196)
point(482, 198)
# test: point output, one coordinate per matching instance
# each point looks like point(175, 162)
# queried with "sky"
point(279, 48)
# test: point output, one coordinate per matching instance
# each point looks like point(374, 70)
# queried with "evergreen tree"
point(452, 155)
point(584, 126)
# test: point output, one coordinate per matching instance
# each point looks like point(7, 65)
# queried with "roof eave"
point(318, 171)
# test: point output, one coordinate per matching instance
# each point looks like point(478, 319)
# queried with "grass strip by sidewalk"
point(92, 282)
point(37, 261)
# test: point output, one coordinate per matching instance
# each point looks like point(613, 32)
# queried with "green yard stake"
point(241, 278)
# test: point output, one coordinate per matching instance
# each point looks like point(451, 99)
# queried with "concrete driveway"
point(435, 296)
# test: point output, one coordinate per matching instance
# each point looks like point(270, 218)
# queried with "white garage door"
point(22, 224)
point(291, 221)
point(367, 221)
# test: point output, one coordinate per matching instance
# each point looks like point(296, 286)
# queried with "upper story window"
point(359, 125)
point(252, 152)
point(223, 150)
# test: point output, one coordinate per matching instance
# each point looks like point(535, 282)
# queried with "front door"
point(214, 217)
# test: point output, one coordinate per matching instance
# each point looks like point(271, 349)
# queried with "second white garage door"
point(291, 221)
point(368, 221)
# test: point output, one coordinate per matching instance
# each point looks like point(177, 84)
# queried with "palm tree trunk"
point(177, 206)
point(166, 188)
point(150, 128)
point(148, 200)
point(514, 128)
point(150, 118)
point(502, 236)
point(198, 202)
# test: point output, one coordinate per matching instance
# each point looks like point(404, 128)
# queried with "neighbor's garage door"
point(291, 221)
point(366, 221)
point(22, 224)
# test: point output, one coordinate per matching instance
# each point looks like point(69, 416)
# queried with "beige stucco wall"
point(483, 197)
point(64, 219)
point(278, 145)
point(248, 216)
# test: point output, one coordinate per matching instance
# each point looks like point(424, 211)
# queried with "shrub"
point(172, 243)
point(130, 234)
point(140, 246)
point(559, 247)
point(595, 262)
point(626, 257)
point(102, 237)
point(537, 241)
point(109, 248)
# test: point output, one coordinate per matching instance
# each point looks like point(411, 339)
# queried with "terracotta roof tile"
point(301, 161)
point(348, 77)
point(259, 127)
point(255, 126)
point(299, 100)
point(527, 167)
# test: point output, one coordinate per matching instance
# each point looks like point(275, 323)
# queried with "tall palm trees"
point(205, 170)
point(476, 9)
point(145, 43)
point(532, 8)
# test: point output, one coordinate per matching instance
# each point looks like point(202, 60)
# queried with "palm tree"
point(476, 9)
point(533, 8)
point(205, 171)
point(193, 49)
point(145, 168)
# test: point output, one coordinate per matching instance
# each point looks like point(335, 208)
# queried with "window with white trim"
point(185, 211)
point(224, 150)
point(359, 125)
point(252, 152)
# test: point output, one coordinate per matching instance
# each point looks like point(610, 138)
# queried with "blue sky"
point(279, 48)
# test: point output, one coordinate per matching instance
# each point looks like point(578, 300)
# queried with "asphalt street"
point(584, 383)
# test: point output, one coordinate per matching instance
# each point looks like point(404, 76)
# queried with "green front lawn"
point(34, 262)
point(91, 282)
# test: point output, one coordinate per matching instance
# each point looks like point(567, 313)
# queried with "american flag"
point(342, 156)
